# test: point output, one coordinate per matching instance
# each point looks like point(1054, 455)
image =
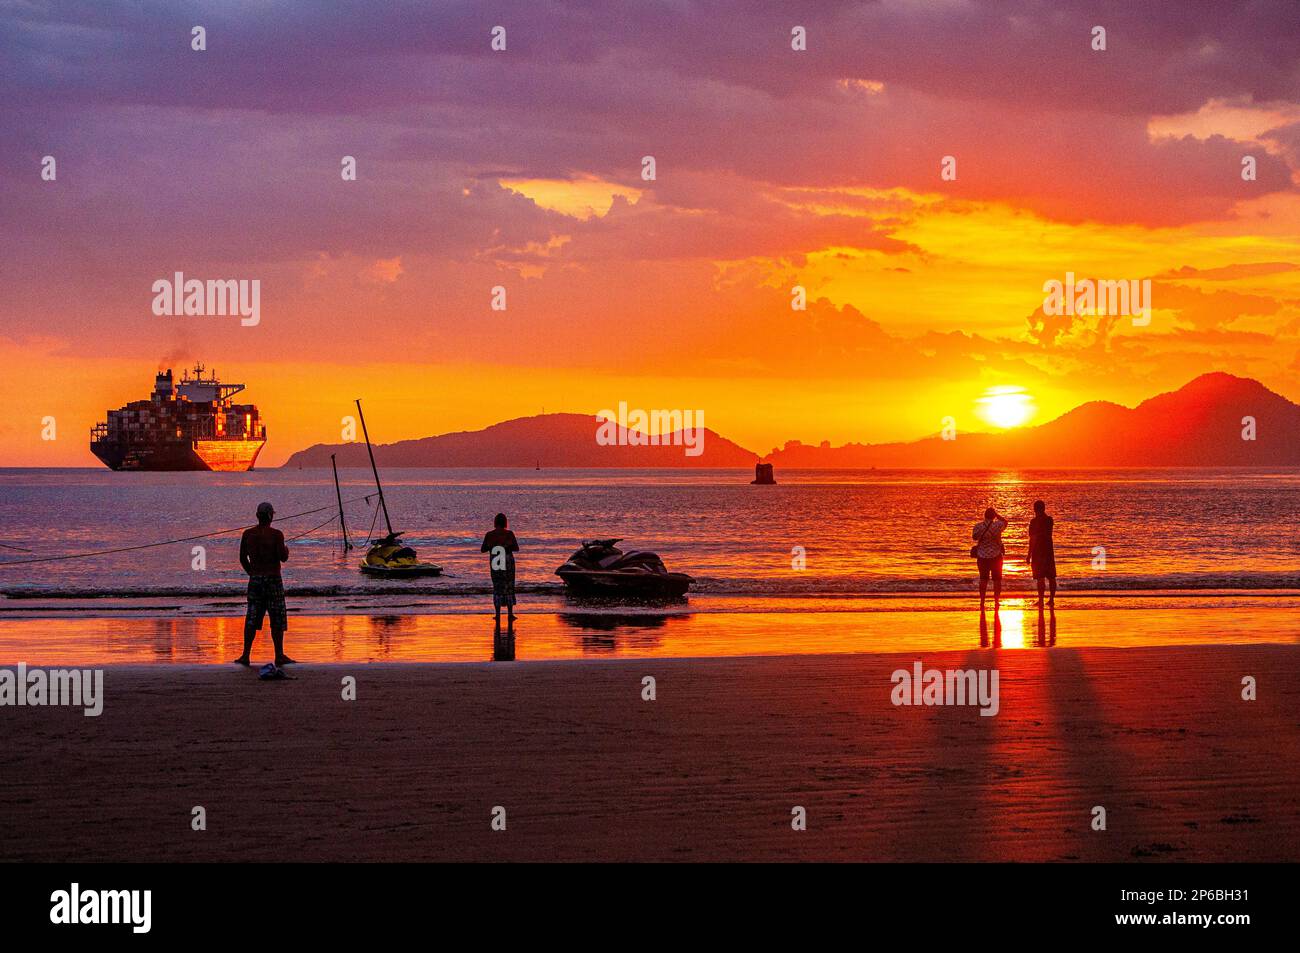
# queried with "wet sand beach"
point(787, 628)
point(710, 770)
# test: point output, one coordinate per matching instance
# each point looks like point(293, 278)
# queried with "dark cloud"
point(230, 158)
point(1011, 89)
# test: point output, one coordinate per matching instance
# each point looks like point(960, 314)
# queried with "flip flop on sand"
point(269, 673)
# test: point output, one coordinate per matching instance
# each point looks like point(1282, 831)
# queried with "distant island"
point(547, 440)
point(1200, 424)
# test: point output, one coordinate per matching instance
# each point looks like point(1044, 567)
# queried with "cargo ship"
point(189, 424)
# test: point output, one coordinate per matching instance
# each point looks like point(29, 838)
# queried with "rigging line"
point(165, 542)
point(372, 528)
point(332, 519)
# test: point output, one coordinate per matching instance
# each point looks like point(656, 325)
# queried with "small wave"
point(812, 586)
point(306, 592)
point(921, 585)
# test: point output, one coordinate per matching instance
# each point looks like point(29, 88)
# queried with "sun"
point(1005, 406)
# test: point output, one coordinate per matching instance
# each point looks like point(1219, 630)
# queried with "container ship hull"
point(190, 424)
point(231, 456)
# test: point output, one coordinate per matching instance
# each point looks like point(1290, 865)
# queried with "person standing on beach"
point(500, 545)
point(988, 552)
point(261, 550)
point(1042, 555)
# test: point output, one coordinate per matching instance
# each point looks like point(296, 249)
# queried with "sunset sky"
point(523, 169)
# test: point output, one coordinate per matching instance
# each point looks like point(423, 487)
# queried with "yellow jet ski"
point(390, 557)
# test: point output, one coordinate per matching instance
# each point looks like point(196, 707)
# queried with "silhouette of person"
point(261, 550)
point(1042, 555)
point(989, 552)
point(500, 545)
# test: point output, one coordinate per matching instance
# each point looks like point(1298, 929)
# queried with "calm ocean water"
point(861, 532)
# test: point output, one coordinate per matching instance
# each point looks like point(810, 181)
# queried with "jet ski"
point(600, 568)
point(388, 557)
point(391, 558)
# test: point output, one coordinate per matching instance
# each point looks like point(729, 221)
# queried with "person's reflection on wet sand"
point(503, 644)
point(1044, 627)
point(984, 630)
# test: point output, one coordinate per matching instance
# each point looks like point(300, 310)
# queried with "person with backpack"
point(988, 552)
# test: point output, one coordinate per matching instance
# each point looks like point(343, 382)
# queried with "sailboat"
point(389, 557)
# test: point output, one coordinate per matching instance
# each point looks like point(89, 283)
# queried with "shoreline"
point(710, 770)
point(557, 594)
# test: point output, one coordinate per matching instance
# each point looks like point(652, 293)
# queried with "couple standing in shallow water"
point(989, 551)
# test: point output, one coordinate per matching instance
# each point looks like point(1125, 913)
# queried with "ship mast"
point(374, 469)
point(343, 524)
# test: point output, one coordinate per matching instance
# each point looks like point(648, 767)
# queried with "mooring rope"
point(312, 530)
point(169, 542)
point(373, 521)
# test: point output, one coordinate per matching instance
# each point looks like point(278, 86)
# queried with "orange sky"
point(523, 170)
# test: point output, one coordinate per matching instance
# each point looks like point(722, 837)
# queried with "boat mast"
point(339, 495)
point(374, 469)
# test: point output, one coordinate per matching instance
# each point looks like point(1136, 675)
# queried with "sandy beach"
point(710, 770)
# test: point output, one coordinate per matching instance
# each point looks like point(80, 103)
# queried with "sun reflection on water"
point(1012, 623)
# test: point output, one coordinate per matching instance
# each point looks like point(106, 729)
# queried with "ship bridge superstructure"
point(204, 390)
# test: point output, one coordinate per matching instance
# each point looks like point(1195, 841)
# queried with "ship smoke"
point(178, 356)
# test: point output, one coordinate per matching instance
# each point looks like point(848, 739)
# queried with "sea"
point(126, 568)
point(828, 537)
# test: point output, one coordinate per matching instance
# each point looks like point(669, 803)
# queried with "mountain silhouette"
point(1200, 424)
point(551, 440)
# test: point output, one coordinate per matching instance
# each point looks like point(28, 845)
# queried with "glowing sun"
point(1005, 407)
